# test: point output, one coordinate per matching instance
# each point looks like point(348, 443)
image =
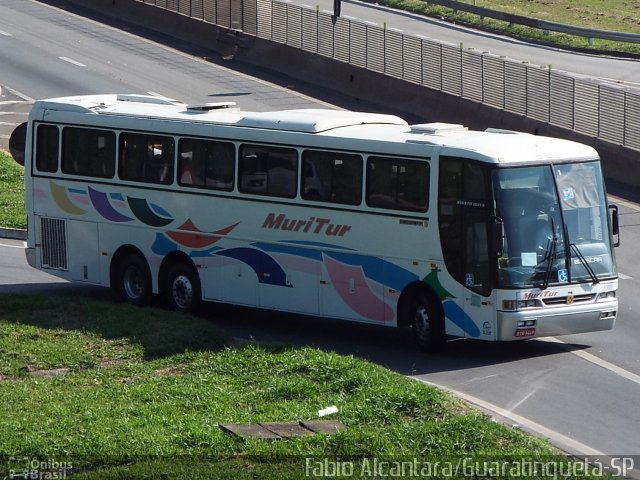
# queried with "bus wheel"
point(428, 324)
point(183, 288)
point(134, 280)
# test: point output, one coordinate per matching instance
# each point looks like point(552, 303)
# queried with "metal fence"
point(598, 109)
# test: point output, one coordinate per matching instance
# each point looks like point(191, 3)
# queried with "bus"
point(492, 235)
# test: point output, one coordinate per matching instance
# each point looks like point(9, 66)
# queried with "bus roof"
point(492, 145)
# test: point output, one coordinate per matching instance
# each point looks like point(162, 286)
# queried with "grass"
point(616, 15)
point(12, 212)
point(118, 392)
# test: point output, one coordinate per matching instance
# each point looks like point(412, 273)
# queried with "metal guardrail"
point(539, 24)
point(603, 110)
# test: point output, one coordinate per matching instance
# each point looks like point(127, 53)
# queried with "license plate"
point(525, 332)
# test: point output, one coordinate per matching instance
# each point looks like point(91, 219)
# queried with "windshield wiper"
point(573, 247)
point(550, 255)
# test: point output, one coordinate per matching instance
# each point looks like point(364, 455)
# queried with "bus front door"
point(463, 217)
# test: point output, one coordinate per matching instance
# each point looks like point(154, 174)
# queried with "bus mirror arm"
point(615, 224)
point(497, 235)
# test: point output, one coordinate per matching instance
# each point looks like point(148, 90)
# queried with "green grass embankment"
point(12, 212)
point(121, 392)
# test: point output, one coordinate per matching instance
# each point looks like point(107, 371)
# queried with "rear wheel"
point(134, 280)
point(428, 324)
point(183, 288)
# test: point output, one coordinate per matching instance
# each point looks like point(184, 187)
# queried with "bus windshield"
point(555, 225)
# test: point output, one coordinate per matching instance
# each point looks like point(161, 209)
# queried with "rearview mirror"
point(18, 143)
point(615, 224)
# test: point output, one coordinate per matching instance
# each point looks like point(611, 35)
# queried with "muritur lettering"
point(272, 221)
point(321, 223)
point(313, 225)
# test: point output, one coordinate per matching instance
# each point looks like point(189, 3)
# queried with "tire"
point(427, 321)
point(183, 288)
point(134, 280)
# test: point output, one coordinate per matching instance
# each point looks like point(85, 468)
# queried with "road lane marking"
point(558, 439)
point(589, 357)
point(625, 203)
point(477, 379)
point(5, 34)
point(523, 399)
point(72, 61)
point(23, 246)
point(24, 97)
point(622, 276)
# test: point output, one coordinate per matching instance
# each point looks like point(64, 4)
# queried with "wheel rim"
point(133, 282)
point(182, 292)
point(421, 324)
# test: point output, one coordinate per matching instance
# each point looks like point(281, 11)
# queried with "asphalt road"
point(581, 393)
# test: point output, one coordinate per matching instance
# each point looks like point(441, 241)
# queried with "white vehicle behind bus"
point(492, 235)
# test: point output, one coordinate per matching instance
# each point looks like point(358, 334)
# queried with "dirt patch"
point(116, 362)
point(55, 372)
point(163, 372)
point(34, 371)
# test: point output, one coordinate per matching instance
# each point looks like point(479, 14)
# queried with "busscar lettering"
point(313, 225)
point(469, 203)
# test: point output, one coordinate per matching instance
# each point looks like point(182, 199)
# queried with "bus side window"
point(88, 152)
point(268, 170)
point(146, 158)
point(332, 177)
point(206, 163)
point(131, 158)
point(47, 143)
point(397, 184)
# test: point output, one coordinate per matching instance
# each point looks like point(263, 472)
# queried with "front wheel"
point(428, 324)
point(134, 280)
point(183, 288)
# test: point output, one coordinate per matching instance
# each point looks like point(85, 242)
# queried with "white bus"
point(492, 235)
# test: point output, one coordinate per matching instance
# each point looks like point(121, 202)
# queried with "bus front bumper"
point(549, 322)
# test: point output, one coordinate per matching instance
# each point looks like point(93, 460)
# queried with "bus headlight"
point(519, 304)
point(509, 304)
point(607, 296)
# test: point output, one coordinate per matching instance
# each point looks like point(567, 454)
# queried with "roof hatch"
point(437, 127)
point(157, 100)
point(206, 107)
point(315, 120)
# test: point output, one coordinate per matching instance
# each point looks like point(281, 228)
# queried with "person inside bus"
point(188, 171)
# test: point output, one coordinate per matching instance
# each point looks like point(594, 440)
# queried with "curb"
point(13, 233)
